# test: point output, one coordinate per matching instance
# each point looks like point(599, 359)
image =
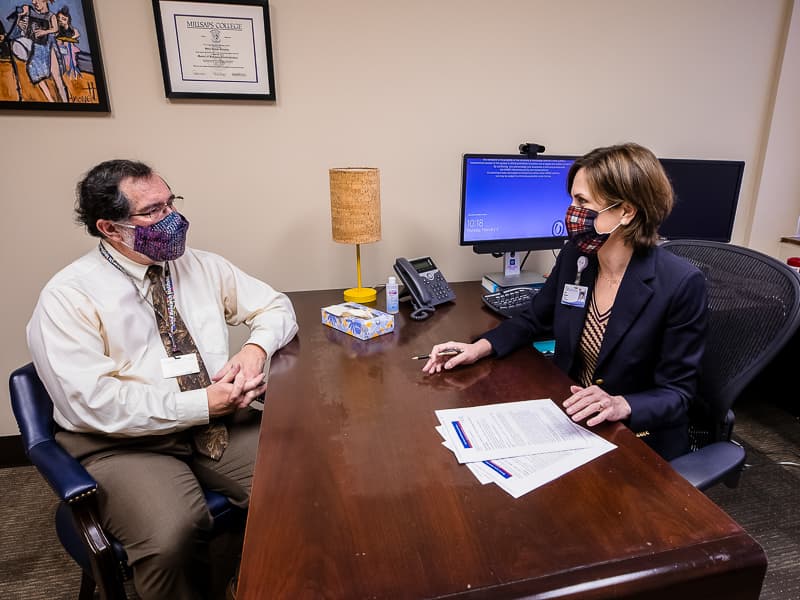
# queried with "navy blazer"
point(652, 346)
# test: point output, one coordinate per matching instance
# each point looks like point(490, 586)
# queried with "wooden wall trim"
point(12, 453)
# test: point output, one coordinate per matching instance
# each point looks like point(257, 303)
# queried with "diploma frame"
point(215, 49)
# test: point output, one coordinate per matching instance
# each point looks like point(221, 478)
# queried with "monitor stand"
point(512, 276)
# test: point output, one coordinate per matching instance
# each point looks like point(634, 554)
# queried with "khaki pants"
point(150, 499)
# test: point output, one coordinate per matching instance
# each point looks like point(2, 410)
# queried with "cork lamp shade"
point(356, 216)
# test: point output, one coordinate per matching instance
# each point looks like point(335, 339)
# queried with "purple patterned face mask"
point(165, 240)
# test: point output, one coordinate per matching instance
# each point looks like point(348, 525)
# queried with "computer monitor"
point(706, 196)
point(514, 202)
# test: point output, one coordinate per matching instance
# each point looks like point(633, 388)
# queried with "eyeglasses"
point(161, 210)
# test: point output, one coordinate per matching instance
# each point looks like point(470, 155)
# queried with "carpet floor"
point(767, 501)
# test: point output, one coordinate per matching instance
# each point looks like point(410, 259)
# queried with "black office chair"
point(101, 557)
point(754, 309)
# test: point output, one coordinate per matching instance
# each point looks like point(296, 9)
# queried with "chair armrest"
point(66, 476)
point(106, 566)
point(80, 532)
point(85, 541)
point(711, 464)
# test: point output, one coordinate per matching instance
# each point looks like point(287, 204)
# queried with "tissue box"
point(358, 320)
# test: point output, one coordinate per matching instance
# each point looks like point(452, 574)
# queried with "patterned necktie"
point(212, 439)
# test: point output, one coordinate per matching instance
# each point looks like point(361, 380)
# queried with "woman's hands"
point(469, 353)
point(591, 402)
point(585, 402)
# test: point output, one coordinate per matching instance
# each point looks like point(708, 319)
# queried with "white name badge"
point(574, 295)
point(183, 364)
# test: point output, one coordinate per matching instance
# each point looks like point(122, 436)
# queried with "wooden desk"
point(354, 496)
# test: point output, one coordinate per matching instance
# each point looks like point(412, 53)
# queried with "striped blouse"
point(594, 328)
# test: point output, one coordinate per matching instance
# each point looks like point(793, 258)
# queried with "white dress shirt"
point(96, 346)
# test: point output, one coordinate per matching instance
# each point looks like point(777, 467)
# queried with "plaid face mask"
point(581, 229)
point(165, 240)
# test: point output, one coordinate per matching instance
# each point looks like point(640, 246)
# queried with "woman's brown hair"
point(629, 173)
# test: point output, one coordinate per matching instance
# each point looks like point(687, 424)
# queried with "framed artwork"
point(215, 49)
point(50, 56)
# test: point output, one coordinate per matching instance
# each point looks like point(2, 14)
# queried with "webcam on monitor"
point(530, 148)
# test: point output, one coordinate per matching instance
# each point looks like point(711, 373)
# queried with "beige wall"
point(778, 205)
point(406, 87)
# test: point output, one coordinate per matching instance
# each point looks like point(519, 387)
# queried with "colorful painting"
point(50, 56)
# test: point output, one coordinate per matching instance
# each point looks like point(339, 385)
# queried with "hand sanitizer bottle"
point(392, 300)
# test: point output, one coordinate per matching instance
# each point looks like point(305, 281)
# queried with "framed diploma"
point(215, 49)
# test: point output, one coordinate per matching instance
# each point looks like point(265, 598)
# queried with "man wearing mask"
point(131, 342)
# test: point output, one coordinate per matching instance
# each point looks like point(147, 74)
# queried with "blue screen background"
point(509, 198)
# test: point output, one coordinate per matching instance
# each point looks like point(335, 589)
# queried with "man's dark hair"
point(98, 195)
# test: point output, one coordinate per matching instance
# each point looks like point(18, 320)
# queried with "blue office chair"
point(102, 558)
point(754, 310)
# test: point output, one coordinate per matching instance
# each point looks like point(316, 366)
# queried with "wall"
point(778, 208)
point(406, 87)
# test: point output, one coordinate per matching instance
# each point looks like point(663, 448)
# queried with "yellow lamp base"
point(360, 295)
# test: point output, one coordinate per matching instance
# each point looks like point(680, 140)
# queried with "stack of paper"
point(518, 445)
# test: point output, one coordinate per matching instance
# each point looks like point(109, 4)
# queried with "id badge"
point(574, 295)
point(183, 364)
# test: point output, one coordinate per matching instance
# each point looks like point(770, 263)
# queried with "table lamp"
point(356, 217)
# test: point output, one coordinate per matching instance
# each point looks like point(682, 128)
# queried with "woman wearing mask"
point(628, 317)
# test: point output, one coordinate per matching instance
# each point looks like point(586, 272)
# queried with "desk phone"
point(425, 284)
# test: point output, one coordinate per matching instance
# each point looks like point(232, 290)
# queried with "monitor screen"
point(512, 202)
point(706, 195)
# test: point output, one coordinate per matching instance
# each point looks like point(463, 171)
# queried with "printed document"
point(510, 429)
point(520, 473)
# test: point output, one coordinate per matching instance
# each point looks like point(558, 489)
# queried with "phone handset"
point(424, 283)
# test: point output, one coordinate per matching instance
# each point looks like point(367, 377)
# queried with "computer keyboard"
point(510, 301)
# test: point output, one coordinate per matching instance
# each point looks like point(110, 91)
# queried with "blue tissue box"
point(346, 318)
